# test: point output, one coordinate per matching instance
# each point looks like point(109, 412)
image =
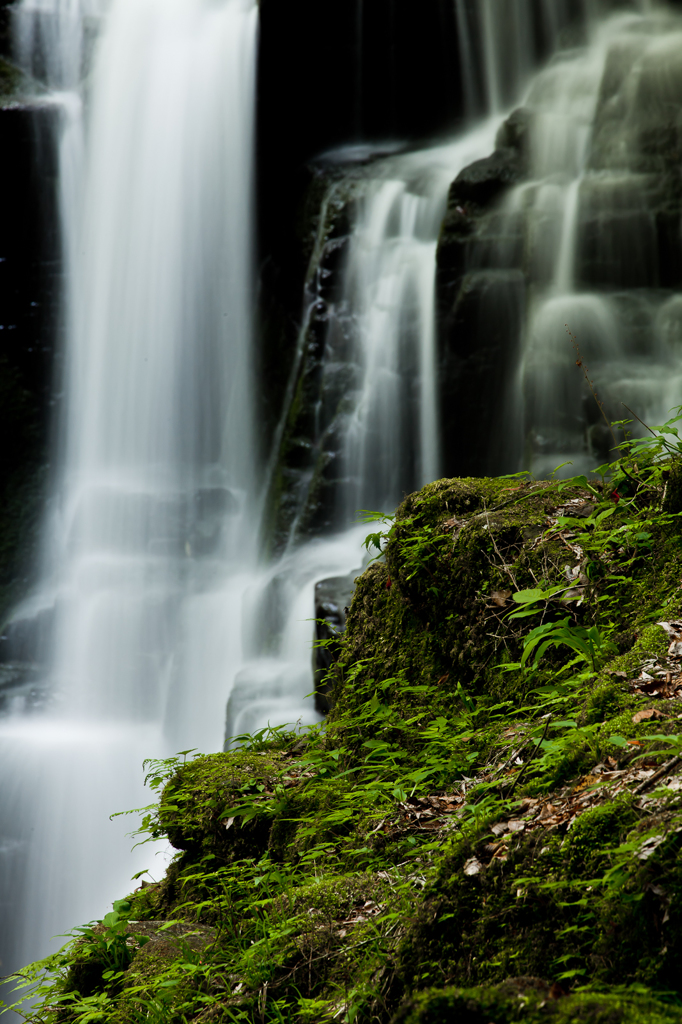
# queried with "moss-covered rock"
point(533, 1001)
point(195, 809)
point(468, 838)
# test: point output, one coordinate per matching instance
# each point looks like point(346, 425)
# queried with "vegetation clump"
point(487, 828)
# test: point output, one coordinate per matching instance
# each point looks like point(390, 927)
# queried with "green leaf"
point(526, 596)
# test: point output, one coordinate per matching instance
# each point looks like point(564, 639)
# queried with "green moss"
point(651, 642)
point(446, 848)
point(146, 902)
point(334, 897)
point(426, 615)
point(530, 1000)
point(596, 831)
point(194, 810)
point(606, 700)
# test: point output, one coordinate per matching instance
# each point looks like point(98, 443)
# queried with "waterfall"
point(367, 430)
point(53, 40)
point(153, 531)
point(162, 617)
point(390, 438)
point(370, 315)
point(498, 47)
point(600, 238)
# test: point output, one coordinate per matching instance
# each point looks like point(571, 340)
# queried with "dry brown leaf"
point(473, 867)
point(586, 781)
point(644, 716)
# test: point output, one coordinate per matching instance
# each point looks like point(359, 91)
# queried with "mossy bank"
point(478, 833)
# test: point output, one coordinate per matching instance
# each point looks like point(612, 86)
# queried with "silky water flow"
point(160, 608)
point(582, 201)
point(593, 248)
point(380, 341)
point(156, 501)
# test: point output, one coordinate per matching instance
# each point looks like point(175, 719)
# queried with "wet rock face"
point(485, 324)
point(323, 376)
point(29, 286)
point(486, 180)
point(579, 206)
point(481, 296)
point(332, 600)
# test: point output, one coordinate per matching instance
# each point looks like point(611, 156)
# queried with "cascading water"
point(161, 609)
point(585, 245)
point(388, 295)
point(157, 502)
point(598, 121)
point(390, 437)
point(373, 330)
point(498, 47)
point(369, 430)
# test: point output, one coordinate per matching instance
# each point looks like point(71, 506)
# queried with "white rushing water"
point(593, 236)
point(162, 614)
point(380, 335)
point(157, 498)
point(380, 346)
point(391, 437)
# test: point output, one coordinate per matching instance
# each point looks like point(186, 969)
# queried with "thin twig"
point(657, 776)
point(600, 405)
point(633, 413)
point(506, 568)
point(542, 739)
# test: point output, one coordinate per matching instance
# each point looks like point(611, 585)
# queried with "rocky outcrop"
point(481, 311)
point(322, 378)
point(470, 837)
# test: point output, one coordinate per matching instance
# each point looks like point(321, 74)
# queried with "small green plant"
point(664, 443)
point(535, 600)
point(377, 540)
point(392, 849)
point(106, 946)
point(587, 643)
point(109, 942)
